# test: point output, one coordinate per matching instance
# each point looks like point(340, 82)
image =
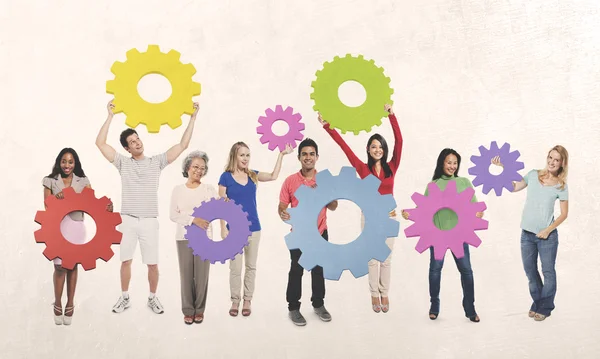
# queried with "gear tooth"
point(372, 183)
point(117, 68)
point(332, 273)
point(324, 175)
point(111, 87)
point(188, 69)
point(361, 57)
point(336, 58)
point(132, 121)
point(49, 253)
point(302, 193)
point(106, 254)
point(348, 173)
point(153, 127)
point(132, 54)
point(153, 49)
point(173, 122)
point(196, 89)
point(172, 55)
point(307, 263)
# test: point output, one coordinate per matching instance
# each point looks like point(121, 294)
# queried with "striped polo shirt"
point(139, 184)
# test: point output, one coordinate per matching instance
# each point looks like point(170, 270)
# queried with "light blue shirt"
point(538, 212)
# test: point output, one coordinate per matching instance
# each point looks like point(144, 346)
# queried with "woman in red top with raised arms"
point(377, 165)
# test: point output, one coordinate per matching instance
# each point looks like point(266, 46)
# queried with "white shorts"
point(144, 230)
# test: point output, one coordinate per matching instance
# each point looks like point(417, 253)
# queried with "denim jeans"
point(466, 278)
point(542, 293)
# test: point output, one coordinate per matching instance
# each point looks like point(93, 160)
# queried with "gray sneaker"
point(323, 314)
point(155, 305)
point(297, 317)
point(121, 305)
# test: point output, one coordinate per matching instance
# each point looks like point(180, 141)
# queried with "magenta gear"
point(233, 244)
point(496, 182)
point(288, 116)
point(453, 239)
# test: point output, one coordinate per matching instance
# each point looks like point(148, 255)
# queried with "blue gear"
point(354, 256)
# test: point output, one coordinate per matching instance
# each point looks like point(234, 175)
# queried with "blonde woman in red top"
point(377, 165)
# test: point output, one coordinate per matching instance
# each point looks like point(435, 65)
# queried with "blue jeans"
point(542, 293)
point(466, 278)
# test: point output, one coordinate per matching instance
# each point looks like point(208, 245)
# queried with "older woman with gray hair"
point(193, 270)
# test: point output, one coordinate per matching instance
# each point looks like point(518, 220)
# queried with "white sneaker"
point(122, 304)
point(155, 305)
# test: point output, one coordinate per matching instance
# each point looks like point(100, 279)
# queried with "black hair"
point(439, 168)
point(371, 161)
point(308, 142)
point(77, 170)
point(126, 133)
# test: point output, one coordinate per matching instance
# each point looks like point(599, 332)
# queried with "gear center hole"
point(76, 231)
point(495, 170)
point(154, 88)
point(280, 128)
point(352, 94)
point(449, 217)
point(217, 230)
point(346, 220)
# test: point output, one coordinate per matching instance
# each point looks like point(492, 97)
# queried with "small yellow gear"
point(153, 115)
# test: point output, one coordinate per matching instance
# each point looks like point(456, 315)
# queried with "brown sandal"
point(188, 319)
point(198, 318)
point(246, 311)
point(234, 311)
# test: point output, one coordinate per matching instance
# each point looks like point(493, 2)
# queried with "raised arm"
point(266, 176)
point(107, 151)
point(517, 186)
point(178, 149)
point(398, 141)
point(223, 194)
point(354, 161)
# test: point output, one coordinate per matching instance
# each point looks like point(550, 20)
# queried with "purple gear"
point(497, 182)
point(442, 240)
point(233, 244)
point(289, 117)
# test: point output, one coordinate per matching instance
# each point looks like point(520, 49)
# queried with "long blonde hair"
point(231, 162)
point(564, 168)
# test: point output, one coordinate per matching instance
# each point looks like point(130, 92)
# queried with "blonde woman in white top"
point(192, 269)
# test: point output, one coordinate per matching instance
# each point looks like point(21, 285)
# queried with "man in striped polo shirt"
point(139, 202)
point(308, 154)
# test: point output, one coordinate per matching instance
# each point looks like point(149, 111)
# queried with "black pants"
point(294, 287)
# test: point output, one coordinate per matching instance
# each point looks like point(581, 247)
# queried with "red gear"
point(71, 254)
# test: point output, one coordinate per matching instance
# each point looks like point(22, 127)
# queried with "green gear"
point(366, 73)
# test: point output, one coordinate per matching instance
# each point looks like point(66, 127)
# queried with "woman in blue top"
point(238, 183)
point(539, 235)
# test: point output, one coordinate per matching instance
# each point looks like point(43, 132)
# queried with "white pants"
point(143, 230)
point(379, 272)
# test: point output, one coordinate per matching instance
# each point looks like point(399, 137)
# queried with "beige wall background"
point(464, 73)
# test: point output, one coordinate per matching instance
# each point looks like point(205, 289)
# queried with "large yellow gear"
point(153, 115)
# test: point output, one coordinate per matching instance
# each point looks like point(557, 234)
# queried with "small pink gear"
point(442, 240)
point(288, 116)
